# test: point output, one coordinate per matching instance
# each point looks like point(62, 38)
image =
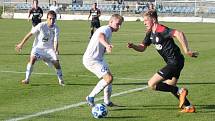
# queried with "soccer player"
point(95, 23)
point(56, 9)
point(37, 13)
point(93, 58)
point(45, 46)
point(162, 38)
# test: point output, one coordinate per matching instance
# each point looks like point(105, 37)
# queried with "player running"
point(162, 38)
point(37, 13)
point(95, 23)
point(45, 46)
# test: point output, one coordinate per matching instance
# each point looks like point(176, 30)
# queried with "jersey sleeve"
point(168, 33)
point(165, 31)
point(107, 32)
point(36, 29)
point(147, 41)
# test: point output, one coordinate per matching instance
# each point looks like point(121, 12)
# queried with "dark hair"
point(51, 12)
point(151, 14)
point(35, 1)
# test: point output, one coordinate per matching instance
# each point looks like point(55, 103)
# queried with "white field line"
point(35, 73)
point(73, 105)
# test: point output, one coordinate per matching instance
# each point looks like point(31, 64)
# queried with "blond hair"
point(117, 16)
point(151, 14)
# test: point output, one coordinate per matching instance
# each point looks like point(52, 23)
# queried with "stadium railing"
point(164, 8)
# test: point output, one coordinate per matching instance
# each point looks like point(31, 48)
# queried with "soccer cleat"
point(182, 96)
point(110, 104)
point(61, 82)
point(25, 81)
point(90, 101)
point(189, 109)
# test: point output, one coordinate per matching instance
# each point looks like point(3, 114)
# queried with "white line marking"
point(73, 105)
point(19, 72)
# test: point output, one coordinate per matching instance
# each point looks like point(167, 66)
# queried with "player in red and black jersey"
point(95, 23)
point(37, 13)
point(167, 77)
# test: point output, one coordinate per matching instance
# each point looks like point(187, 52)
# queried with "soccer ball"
point(99, 111)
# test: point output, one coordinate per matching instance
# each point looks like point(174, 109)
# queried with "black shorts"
point(171, 70)
point(95, 24)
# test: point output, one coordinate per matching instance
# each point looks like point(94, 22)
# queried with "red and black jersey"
point(163, 41)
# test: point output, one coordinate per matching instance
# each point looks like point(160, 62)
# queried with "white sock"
point(59, 74)
point(179, 91)
point(98, 88)
point(107, 93)
point(29, 70)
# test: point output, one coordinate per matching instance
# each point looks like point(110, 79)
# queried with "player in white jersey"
point(56, 9)
point(45, 46)
point(93, 58)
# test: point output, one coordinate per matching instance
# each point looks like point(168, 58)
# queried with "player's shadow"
point(205, 108)
point(212, 106)
point(79, 84)
point(138, 108)
point(200, 108)
point(147, 107)
point(44, 84)
point(127, 117)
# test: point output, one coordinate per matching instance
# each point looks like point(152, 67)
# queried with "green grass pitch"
point(130, 69)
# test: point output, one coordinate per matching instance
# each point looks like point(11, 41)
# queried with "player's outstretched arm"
point(19, 46)
point(29, 15)
point(139, 48)
point(184, 43)
point(89, 16)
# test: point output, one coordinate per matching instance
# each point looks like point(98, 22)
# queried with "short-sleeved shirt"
point(36, 15)
point(95, 14)
point(164, 44)
point(95, 50)
point(45, 36)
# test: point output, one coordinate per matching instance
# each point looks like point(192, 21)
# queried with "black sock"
point(166, 88)
point(186, 102)
point(169, 88)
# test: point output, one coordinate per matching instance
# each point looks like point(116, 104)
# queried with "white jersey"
point(95, 50)
point(45, 36)
point(54, 8)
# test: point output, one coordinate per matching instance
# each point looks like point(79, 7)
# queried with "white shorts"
point(44, 54)
point(99, 68)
